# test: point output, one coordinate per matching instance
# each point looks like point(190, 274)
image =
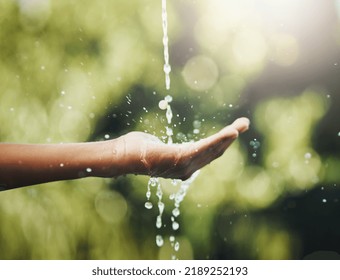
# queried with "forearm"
point(135, 152)
point(23, 165)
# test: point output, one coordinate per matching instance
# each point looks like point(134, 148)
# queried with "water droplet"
point(324, 200)
point(168, 98)
point(175, 182)
point(148, 205)
point(106, 136)
point(167, 68)
point(160, 207)
point(175, 225)
point(128, 99)
point(159, 193)
point(308, 155)
point(172, 238)
point(159, 221)
point(181, 137)
point(176, 246)
point(169, 131)
point(168, 114)
point(159, 240)
point(176, 212)
point(255, 144)
point(197, 124)
point(148, 194)
point(163, 105)
point(153, 182)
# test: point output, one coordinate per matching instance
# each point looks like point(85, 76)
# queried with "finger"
point(232, 131)
point(214, 146)
point(241, 124)
point(208, 149)
point(206, 154)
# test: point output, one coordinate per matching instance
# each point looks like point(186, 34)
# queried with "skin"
point(133, 153)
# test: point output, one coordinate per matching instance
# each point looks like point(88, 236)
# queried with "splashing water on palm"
point(155, 183)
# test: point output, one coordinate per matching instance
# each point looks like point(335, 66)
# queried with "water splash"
point(183, 186)
point(178, 197)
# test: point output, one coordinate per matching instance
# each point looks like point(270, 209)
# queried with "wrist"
point(102, 160)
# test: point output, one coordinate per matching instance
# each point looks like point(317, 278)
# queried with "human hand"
point(136, 153)
point(146, 154)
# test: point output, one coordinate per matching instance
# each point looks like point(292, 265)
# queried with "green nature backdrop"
point(90, 70)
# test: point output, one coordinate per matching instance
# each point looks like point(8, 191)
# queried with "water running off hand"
point(155, 183)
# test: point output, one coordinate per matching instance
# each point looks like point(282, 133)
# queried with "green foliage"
point(78, 70)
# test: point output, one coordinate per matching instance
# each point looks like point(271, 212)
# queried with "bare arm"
point(133, 153)
point(29, 164)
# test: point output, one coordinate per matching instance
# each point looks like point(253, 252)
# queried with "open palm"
point(150, 156)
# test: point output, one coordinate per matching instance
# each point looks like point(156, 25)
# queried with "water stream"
point(155, 183)
point(167, 67)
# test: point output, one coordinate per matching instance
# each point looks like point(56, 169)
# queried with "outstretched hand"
point(136, 153)
point(146, 154)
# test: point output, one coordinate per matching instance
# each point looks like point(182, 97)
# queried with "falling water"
point(167, 67)
point(178, 198)
point(163, 105)
point(155, 182)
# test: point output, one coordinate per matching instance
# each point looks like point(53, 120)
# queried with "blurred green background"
point(90, 70)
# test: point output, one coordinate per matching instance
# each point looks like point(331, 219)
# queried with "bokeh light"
point(87, 71)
